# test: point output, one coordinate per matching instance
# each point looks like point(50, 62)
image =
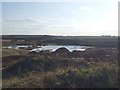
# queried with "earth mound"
point(62, 50)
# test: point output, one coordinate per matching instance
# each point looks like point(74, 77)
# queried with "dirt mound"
point(27, 65)
point(32, 52)
point(62, 50)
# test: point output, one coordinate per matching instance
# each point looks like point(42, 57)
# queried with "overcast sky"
point(61, 18)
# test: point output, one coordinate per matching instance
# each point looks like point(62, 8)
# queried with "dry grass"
point(55, 78)
point(40, 71)
point(13, 52)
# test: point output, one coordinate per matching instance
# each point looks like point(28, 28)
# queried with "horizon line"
point(56, 35)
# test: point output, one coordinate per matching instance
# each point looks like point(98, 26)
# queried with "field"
point(97, 41)
point(94, 68)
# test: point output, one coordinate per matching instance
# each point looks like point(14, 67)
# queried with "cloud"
point(86, 20)
point(85, 8)
point(33, 26)
point(27, 20)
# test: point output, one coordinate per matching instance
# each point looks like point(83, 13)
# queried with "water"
point(17, 46)
point(51, 48)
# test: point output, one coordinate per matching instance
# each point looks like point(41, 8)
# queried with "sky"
point(85, 18)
